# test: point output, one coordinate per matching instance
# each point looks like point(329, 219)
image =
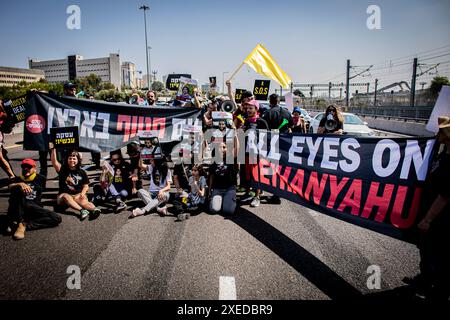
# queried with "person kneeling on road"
point(25, 209)
point(73, 185)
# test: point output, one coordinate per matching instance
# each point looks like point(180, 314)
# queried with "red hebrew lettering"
point(123, 124)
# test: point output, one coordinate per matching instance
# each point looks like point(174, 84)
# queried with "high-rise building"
point(13, 76)
point(108, 68)
point(129, 75)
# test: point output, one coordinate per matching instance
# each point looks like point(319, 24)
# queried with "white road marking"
point(227, 288)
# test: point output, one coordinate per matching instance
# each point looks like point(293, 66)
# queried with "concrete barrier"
point(398, 126)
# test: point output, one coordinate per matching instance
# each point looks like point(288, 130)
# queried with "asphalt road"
point(272, 252)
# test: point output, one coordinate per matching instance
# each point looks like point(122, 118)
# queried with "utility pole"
point(281, 91)
point(145, 8)
point(347, 85)
point(329, 91)
point(375, 94)
point(413, 83)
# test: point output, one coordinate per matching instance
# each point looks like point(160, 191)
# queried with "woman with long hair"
point(332, 113)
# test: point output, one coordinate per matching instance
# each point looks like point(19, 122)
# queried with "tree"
point(436, 85)
point(157, 86)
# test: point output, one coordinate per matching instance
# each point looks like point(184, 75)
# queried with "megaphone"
point(330, 124)
point(228, 106)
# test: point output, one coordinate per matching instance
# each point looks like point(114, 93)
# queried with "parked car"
point(353, 125)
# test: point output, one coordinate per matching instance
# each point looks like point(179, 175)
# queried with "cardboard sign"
point(173, 81)
point(65, 137)
point(15, 109)
point(186, 89)
point(212, 82)
point(441, 108)
point(150, 146)
point(238, 95)
point(261, 89)
point(289, 98)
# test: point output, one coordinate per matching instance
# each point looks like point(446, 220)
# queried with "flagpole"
point(237, 70)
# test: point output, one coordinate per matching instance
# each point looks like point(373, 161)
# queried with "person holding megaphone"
point(332, 122)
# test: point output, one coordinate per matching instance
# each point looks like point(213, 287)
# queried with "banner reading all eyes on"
point(102, 126)
point(375, 183)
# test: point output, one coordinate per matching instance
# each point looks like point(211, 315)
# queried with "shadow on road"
point(314, 270)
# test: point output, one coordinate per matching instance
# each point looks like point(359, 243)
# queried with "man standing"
point(25, 209)
point(277, 119)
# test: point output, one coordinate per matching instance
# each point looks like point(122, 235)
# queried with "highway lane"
point(271, 252)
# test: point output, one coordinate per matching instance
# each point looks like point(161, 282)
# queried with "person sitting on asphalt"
point(115, 182)
point(73, 185)
point(158, 194)
point(25, 209)
point(133, 151)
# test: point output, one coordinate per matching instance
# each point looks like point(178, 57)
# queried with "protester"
point(4, 161)
point(133, 151)
point(332, 114)
point(73, 185)
point(115, 182)
point(240, 113)
point(158, 194)
point(193, 201)
point(433, 282)
point(25, 209)
point(222, 185)
point(212, 106)
point(151, 98)
point(279, 119)
point(298, 125)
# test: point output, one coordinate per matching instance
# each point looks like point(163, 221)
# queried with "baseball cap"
point(297, 109)
point(29, 162)
point(69, 85)
point(253, 102)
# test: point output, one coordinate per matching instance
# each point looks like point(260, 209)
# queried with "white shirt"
point(156, 188)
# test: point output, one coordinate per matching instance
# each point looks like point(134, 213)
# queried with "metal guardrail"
point(405, 119)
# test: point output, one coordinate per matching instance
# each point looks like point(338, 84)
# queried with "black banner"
point(65, 137)
point(173, 81)
point(102, 126)
point(15, 109)
point(371, 182)
point(261, 89)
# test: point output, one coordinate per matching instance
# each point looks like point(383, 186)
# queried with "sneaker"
point(20, 232)
point(255, 202)
point(83, 214)
point(241, 189)
point(97, 200)
point(183, 216)
point(137, 212)
point(121, 206)
point(274, 200)
point(162, 211)
point(95, 214)
point(8, 230)
point(248, 196)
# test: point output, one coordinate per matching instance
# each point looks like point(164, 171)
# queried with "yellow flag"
point(262, 62)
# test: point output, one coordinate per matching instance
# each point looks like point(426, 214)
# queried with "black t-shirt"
point(37, 186)
point(438, 183)
point(338, 127)
point(224, 176)
point(72, 182)
point(181, 174)
point(275, 117)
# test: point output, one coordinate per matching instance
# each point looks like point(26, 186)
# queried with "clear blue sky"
point(311, 40)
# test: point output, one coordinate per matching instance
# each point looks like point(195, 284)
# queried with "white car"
point(353, 125)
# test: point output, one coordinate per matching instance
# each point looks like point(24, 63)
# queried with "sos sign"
point(238, 95)
point(261, 89)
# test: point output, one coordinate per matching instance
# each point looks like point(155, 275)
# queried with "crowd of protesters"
point(212, 188)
